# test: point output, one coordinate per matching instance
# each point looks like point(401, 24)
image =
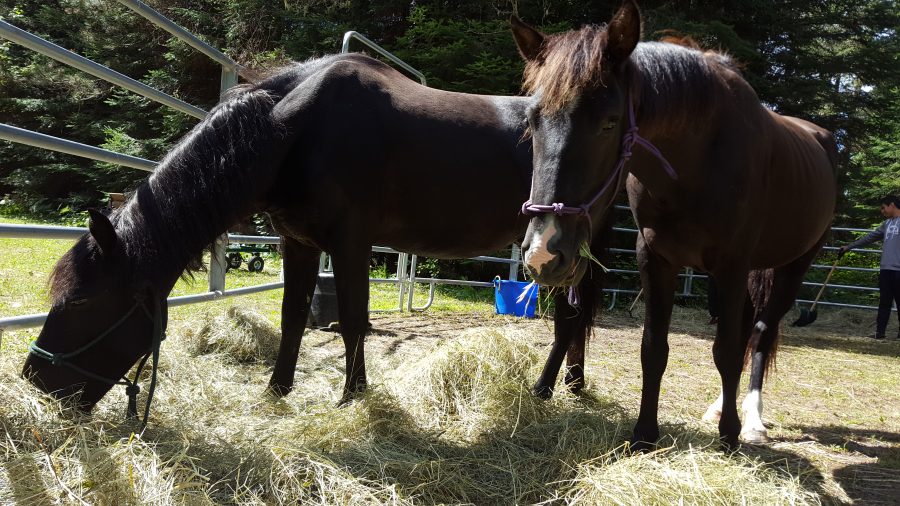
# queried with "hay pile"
point(453, 423)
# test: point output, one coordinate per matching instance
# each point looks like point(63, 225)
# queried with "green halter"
point(132, 389)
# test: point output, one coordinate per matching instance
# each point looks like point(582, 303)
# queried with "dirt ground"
point(832, 406)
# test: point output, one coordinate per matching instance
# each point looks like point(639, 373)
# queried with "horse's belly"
point(488, 236)
point(782, 243)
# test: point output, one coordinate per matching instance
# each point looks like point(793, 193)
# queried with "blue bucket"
point(508, 293)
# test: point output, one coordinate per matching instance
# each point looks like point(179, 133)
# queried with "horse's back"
point(807, 154)
point(367, 137)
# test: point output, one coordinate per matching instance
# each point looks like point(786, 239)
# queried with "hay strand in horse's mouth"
point(585, 251)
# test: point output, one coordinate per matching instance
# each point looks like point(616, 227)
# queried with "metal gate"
point(406, 279)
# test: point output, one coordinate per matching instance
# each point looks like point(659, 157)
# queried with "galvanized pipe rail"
point(43, 141)
point(352, 35)
point(181, 34)
point(229, 77)
point(81, 63)
point(690, 276)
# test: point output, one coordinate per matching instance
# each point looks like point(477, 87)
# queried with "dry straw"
point(451, 423)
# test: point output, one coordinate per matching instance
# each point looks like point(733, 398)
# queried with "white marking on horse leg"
point(538, 255)
point(762, 327)
point(714, 411)
point(753, 429)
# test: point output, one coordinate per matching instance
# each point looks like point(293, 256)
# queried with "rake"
point(808, 316)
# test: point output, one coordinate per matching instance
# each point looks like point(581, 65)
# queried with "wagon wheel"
point(234, 260)
point(255, 264)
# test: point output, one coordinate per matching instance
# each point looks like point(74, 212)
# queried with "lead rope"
point(158, 337)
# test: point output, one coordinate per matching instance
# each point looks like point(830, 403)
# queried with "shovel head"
point(806, 317)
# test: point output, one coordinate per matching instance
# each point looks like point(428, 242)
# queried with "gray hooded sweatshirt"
point(889, 232)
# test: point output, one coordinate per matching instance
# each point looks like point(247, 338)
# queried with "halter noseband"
point(630, 138)
point(132, 389)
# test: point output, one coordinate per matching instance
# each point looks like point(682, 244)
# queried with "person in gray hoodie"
point(889, 277)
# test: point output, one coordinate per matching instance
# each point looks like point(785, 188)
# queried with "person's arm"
point(875, 235)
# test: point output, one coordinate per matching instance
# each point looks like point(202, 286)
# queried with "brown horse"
point(342, 152)
point(718, 183)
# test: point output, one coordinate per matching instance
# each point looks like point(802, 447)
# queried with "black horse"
point(343, 153)
point(734, 189)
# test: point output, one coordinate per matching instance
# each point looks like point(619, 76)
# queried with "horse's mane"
point(207, 182)
point(668, 79)
point(569, 64)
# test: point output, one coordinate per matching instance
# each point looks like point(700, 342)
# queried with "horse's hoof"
point(638, 445)
point(542, 392)
point(754, 436)
point(352, 394)
point(729, 444)
point(712, 415)
point(575, 384)
point(279, 390)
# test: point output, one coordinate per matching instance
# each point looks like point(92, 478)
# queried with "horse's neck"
point(213, 177)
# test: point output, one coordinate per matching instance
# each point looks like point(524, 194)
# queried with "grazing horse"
point(343, 152)
point(715, 181)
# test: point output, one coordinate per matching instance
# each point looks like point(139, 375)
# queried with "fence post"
point(217, 262)
point(514, 267)
point(688, 281)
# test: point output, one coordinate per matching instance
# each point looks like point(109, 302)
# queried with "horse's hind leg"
point(764, 341)
point(300, 270)
point(563, 330)
point(569, 329)
point(351, 277)
point(732, 334)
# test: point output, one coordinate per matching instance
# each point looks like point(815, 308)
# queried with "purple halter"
point(630, 138)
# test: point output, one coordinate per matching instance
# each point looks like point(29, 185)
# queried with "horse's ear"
point(624, 32)
point(528, 40)
point(102, 230)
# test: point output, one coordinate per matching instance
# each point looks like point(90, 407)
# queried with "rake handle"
point(822, 290)
point(636, 299)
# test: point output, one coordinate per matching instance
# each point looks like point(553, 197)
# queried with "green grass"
point(25, 266)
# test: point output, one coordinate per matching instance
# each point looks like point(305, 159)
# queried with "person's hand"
point(841, 251)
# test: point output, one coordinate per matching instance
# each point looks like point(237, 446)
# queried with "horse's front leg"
point(351, 278)
point(300, 270)
point(572, 326)
point(658, 281)
point(732, 335)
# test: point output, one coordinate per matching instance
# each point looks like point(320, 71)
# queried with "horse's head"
point(101, 322)
point(578, 118)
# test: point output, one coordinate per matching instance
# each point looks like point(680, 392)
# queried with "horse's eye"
point(610, 124)
point(76, 302)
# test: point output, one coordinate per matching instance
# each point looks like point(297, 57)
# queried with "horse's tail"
point(760, 283)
